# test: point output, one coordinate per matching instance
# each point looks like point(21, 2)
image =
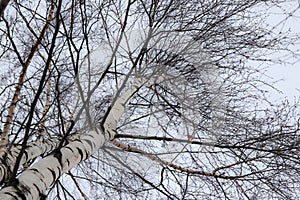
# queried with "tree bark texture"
point(34, 149)
point(33, 182)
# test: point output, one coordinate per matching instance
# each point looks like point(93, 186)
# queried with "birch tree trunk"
point(139, 99)
point(34, 149)
point(36, 180)
point(33, 182)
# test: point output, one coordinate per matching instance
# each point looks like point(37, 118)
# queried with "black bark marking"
point(26, 155)
point(33, 169)
point(12, 182)
point(80, 152)
point(59, 171)
point(67, 147)
point(38, 189)
point(58, 156)
point(68, 162)
point(18, 192)
point(86, 155)
point(53, 175)
point(92, 144)
point(43, 197)
point(109, 134)
point(19, 195)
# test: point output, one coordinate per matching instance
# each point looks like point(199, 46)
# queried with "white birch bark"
point(34, 182)
point(119, 105)
point(34, 149)
point(37, 179)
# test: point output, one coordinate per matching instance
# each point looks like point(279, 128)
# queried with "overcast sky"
point(289, 74)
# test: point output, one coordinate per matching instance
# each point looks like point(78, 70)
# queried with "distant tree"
point(143, 99)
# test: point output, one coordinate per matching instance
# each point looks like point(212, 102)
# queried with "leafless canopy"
point(201, 126)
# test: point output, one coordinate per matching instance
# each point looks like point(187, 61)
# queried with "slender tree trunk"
point(36, 180)
point(34, 149)
point(33, 182)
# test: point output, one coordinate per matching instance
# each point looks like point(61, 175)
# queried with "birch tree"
point(144, 99)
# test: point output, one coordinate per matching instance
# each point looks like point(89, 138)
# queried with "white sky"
point(289, 74)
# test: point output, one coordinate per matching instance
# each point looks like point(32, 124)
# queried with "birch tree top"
point(145, 99)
